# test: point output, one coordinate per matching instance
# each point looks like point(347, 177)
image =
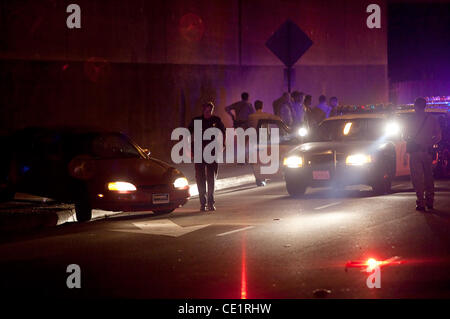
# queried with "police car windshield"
point(349, 130)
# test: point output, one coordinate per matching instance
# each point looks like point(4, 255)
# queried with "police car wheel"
point(383, 184)
point(295, 189)
point(163, 212)
point(382, 187)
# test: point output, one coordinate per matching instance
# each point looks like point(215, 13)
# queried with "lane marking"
point(163, 227)
point(329, 205)
point(235, 231)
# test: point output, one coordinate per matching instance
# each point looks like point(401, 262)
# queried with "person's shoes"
point(420, 208)
point(430, 207)
point(260, 183)
point(203, 208)
point(211, 207)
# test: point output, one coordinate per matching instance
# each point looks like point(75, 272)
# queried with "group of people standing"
point(244, 115)
point(294, 109)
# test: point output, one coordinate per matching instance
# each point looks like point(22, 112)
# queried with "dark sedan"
point(91, 168)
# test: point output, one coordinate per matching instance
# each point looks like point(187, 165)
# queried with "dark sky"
point(419, 41)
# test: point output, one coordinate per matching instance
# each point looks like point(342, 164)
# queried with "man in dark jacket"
point(206, 172)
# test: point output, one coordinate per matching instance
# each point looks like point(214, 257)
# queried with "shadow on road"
point(330, 193)
point(439, 223)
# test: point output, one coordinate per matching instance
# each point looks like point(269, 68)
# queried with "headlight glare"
point(392, 128)
point(180, 182)
point(358, 159)
point(121, 187)
point(293, 161)
point(302, 131)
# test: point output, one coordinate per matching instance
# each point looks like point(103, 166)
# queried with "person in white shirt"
point(298, 109)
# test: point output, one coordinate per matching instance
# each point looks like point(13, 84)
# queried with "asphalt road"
point(260, 243)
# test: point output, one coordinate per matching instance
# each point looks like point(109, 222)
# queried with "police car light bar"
point(433, 102)
point(367, 108)
point(437, 99)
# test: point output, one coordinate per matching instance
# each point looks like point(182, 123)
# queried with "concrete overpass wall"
point(144, 67)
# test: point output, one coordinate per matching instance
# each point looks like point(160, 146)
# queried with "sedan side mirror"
point(146, 151)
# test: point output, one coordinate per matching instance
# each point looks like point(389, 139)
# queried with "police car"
point(347, 150)
point(364, 147)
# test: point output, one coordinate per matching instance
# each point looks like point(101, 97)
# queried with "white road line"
point(235, 231)
point(329, 205)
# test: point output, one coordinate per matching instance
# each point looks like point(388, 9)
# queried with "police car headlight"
point(392, 128)
point(293, 161)
point(180, 183)
point(358, 159)
point(302, 131)
point(121, 187)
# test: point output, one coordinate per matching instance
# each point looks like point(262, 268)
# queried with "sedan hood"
point(135, 170)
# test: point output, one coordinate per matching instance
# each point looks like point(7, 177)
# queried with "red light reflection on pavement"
point(372, 263)
point(243, 271)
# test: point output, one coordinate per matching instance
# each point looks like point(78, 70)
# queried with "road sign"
point(289, 43)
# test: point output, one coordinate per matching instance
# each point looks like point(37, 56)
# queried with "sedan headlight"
point(358, 159)
point(293, 161)
point(121, 187)
point(180, 182)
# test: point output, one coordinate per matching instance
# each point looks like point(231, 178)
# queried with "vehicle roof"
point(357, 116)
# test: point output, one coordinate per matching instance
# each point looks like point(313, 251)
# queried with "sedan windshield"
point(114, 146)
point(106, 145)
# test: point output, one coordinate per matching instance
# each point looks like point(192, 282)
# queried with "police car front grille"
point(321, 159)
